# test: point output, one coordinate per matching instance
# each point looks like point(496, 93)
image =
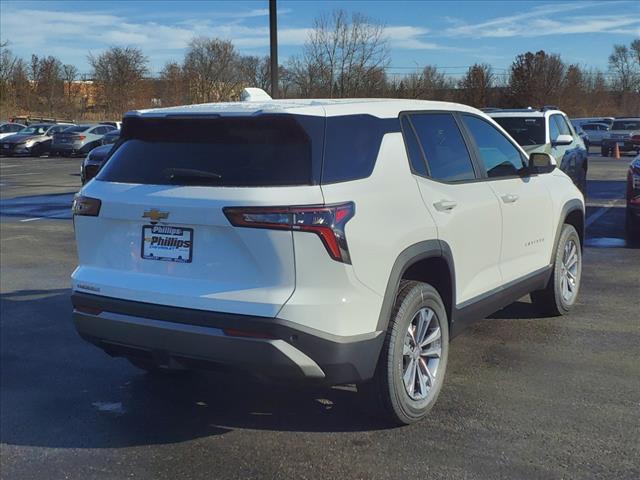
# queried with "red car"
point(633, 200)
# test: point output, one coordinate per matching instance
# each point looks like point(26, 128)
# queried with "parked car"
point(596, 132)
point(117, 125)
point(95, 159)
point(79, 139)
point(329, 241)
point(633, 201)
point(10, 128)
point(111, 137)
point(551, 132)
point(582, 121)
point(626, 133)
point(34, 140)
point(583, 136)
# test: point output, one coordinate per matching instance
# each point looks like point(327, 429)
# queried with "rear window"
point(269, 150)
point(524, 130)
point(626, 125)
point(79, 128)
point(265, 150)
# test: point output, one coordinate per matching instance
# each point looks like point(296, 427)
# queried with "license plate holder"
point(167, 243)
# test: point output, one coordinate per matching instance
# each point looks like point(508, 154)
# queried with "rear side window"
point(352, 144)
point(500, 157)
point(267, 150)
point(448, 159)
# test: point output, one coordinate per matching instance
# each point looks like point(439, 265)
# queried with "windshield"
point(34, 130)
point(626, 125)
point(524, 130)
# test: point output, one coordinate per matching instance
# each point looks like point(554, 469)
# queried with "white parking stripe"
point(31, 219)
point(18, 174)
point(591, 219)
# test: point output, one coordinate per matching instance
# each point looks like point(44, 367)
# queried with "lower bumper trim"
point(290, 351)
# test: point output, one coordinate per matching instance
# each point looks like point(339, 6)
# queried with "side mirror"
point(541, 163)
point(563, 140)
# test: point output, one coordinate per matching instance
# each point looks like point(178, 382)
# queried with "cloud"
point(551, 19)
point(95, 29)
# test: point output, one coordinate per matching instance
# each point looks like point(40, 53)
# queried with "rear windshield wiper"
point(191, 175)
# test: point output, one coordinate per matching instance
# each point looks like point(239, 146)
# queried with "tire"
point(415, 303)
point(36, 150)
point(604, 151)
point(632, 229)
point(560, 294)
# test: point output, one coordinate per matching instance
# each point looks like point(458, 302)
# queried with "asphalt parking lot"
point(524, 397)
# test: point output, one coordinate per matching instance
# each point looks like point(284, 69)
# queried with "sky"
point(451, 35)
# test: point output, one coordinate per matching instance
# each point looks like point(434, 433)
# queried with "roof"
point(523, 113)
point(378, 107)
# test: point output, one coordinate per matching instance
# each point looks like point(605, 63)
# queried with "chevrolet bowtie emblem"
point(155, 215)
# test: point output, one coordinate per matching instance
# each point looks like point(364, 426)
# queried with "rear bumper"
point(66, 149)
point(172, 334)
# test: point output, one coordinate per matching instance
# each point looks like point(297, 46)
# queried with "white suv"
point(339, 241)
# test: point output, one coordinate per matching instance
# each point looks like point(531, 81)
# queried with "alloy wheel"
point(421, 354)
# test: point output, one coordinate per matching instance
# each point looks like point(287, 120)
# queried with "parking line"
point(591, 219)
point(18, 174)
point(31, 219)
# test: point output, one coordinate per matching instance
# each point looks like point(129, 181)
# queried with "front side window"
point(561, 127)
point(499, 156)
point(448, 159)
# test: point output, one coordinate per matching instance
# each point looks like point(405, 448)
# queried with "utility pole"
point(273, 33)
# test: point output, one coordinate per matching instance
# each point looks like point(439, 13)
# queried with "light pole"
point(273, 34)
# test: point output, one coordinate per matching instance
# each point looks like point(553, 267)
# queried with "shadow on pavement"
point(58, 391)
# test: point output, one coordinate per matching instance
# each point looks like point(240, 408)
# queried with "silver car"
point(9, 128)
point(596, 132)
point(79, 140)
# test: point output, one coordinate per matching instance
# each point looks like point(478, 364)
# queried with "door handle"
point(510, 198)
point(445, 205)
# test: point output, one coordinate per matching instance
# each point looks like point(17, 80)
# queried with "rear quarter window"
point(352, 144)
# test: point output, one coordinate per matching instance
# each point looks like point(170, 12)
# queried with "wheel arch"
point(430, 261)
point(573, 214)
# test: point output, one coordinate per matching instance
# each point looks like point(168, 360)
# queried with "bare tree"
point(211, 70)
point(536, 79)
point(172, 81)
point(475, 88)
point(70, 74)
point(50, 83)
point(7, 69)
point(255, 72)
point(119, 74)
point(429, 83)
point(624, 63)
point(343, 57)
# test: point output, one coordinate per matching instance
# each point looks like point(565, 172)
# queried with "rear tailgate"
point(161, 235)
point(236, 270)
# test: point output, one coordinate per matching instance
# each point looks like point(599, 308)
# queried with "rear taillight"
point(326, 221)
point(80, 137)
point(635, 139)
point(86, 206)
